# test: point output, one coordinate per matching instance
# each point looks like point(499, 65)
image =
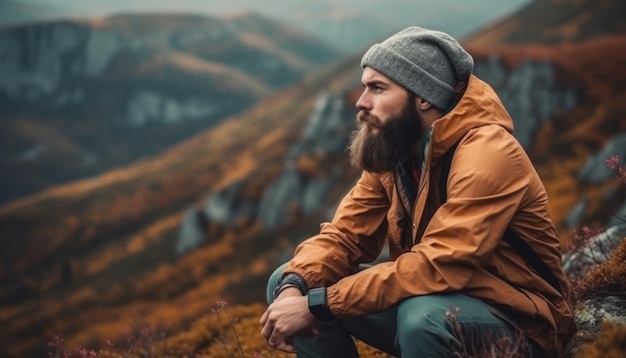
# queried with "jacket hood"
point(479, 106)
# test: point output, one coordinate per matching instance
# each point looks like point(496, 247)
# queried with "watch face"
point(318, 305)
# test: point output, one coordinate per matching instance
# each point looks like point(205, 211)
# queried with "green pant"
point(438, 325)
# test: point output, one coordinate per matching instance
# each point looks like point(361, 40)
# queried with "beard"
point(382, 151)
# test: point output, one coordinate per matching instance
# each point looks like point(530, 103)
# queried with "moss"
point(610, 343)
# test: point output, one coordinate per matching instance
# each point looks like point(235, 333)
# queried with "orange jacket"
point(492, 184)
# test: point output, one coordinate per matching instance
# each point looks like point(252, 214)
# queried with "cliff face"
point(530, 92)
point(81, 97)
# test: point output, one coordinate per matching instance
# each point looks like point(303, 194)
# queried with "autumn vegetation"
point(226, 332)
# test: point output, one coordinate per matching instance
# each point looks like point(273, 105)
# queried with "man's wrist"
point(282, 288)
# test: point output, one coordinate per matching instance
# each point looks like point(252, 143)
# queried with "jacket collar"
point(479, 106)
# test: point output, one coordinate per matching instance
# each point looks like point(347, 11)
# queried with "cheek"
point(393, 109)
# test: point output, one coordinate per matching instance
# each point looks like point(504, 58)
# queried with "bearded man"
point(474, 264)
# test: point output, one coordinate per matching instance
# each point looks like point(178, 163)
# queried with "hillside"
point(118, 253)
point(168, 236)
point(554, 22)
point(80, 97)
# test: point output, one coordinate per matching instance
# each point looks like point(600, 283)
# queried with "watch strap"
point(291, 280)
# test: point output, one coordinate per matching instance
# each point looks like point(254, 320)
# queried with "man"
point(444, 182)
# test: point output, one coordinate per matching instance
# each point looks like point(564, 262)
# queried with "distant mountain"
point(211, 217)
point(80, 97)
point(555, 22)
point(347, 24)
point(355, 24)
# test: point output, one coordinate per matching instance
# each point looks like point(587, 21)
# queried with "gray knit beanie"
point(426, 62)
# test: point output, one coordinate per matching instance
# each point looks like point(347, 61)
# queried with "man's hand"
point(287, 316)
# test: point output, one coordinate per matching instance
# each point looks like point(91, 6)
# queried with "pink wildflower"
point(219, 306)
point(56, 341)
point(586, 230)
point(613, 162)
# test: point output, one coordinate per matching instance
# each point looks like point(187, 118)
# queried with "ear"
point(421, 104)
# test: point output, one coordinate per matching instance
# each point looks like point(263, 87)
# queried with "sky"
point(14, 11)
point(346, 24)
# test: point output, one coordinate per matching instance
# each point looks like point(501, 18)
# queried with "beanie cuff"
point(397, 67)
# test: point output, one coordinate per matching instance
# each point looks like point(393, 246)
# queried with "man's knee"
point(424, 328)
point(439, 325)
point(427, 328)
point(273, 282)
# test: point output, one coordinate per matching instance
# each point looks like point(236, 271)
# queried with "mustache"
point(366, 118)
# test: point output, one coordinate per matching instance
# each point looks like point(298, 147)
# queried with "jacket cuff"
point(334, 301)
point(292, 280)
point(308, 277)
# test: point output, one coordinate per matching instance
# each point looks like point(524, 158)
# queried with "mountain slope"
point(554, 22)
point(132, 220)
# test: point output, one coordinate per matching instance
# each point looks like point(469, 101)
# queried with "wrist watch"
point(318, 305)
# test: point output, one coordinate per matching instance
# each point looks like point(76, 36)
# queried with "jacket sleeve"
point(483, 196)
point(356, 235)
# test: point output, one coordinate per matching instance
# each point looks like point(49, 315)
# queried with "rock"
point(596, 251)
point(595, 170)
point(327, 134)
point(192, 231)
point(576, 214)
point(591, 313)
point(529, 92)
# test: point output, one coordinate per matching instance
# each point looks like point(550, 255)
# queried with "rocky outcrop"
point(529, 92)
point(42, 61)
point(192, 232)
point(595, 170)
point(596, 276)
point(294, 192)
point(593, 312)
point(147, 106)
point(577, 213)
point(596, 250)
point(325, 134)
point(66, 65)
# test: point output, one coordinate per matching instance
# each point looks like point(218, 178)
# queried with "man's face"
point(388, 124)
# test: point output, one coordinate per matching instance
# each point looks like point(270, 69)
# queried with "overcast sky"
point(15, 11)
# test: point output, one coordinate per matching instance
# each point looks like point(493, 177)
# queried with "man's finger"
point(284, 346)
point(275, 341)
point(264, 318)
point(315, 330)
point(267, 331)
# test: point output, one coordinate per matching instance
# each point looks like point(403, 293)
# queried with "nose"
point(363, 103)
